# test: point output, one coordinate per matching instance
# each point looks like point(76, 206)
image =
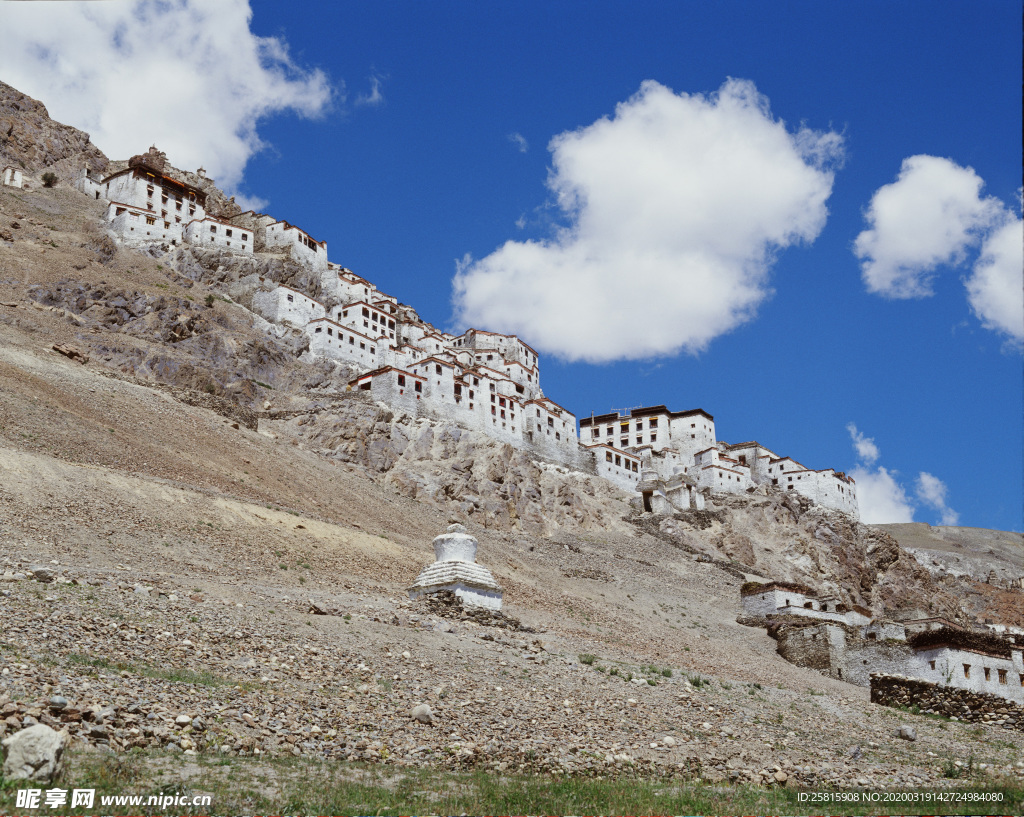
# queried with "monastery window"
point(150, 220)
point(501, 401)
point(791, 479)
point(471, 394)
point(167, 225)
point(693, 436)
point(594, 432)
point(931, 664)
point(558, 436)
point(213, 229)
point(492, 398)
point(319, 329)
point(693, 425)
point(470, 406)
point(119, 210)
point(789, 487)
point(366, 324)
point(639, 425)
point(493, 410)
point(177, 204)
point(1022, 679)
point(366, 312)
point(177, 219)
point(607, 456)
point(163, 214)
point(988, 673)
point(1002, 676)
point(503, 414)
point(330, 331)
point(490, 357)
point(437, 370)
point(163, 199)
point(245, 237)
point(362, 345)
point(476, 382)
point(618, 460)
point(639, 440)
point(228, 233)
point(351, 341)
point(191, 211)
point(654, 438)
point(967, 670)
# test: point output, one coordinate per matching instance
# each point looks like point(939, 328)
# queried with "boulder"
point(36, 753)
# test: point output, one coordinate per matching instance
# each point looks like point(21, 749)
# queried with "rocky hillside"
point(206, 540)
point(29, 139)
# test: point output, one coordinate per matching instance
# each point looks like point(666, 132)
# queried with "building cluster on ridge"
point(481, 380)
point(846, 643)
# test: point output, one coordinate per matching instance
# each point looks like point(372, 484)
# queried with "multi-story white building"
point(480, 379)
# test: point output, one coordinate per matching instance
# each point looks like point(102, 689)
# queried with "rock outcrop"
point(31, 140)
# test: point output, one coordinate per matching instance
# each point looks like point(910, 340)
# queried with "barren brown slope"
point(196, 545)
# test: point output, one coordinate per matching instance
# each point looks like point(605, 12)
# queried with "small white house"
point(212, 232)
point(971, 663)
point(13, 177)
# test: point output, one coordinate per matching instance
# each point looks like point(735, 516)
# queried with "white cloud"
point(880, 497)
point(519, 141)
point(927, 218)
point(995, 289)
point(676, 206)
point(932, 492)
point(867, 451)
point(375, 98)
point(186, 75)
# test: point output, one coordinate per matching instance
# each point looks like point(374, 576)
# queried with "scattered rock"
point(422, 713)
point(36, 753)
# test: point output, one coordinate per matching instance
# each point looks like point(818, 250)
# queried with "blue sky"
point(710, 256)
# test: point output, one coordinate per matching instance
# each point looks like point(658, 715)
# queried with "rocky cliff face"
point(29, 139)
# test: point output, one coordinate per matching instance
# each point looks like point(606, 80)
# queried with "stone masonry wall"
point(959, 704)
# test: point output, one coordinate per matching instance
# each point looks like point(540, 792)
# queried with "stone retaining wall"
point(957, 704)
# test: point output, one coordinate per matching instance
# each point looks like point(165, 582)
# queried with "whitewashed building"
point(13, 177)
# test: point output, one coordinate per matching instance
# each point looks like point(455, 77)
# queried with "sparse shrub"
point(209, 388)
point(599, 668)
point(652, 682)
point(49, 179)
point(209, 300)
point(666, 673)
point(613, 671)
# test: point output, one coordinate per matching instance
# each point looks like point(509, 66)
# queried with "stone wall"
point(958, 704)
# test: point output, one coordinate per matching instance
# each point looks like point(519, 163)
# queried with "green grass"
point(306, 786)
point(587, 658)
point(177, 675)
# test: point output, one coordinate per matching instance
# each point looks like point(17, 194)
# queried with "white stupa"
point(455, 569)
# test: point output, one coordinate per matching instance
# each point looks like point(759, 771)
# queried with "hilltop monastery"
point(480, 380)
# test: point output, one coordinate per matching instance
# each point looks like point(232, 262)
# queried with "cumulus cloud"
point(881, 497)
point(995, 289)
point(927, 218)
point(519, 141)
point(932, 492)
point(867, 451)
point(675, 207)
point(189, 76)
